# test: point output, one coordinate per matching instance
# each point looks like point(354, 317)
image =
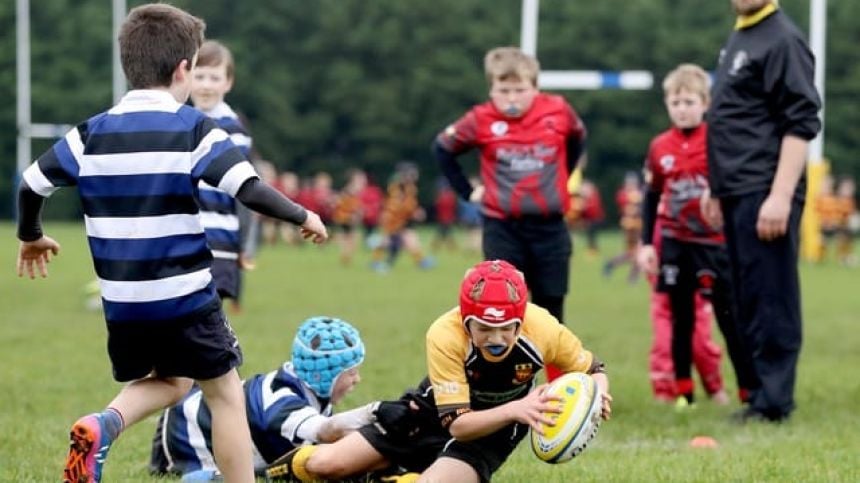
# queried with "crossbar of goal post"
point(576, 79)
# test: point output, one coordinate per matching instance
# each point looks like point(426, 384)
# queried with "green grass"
point(55, 367)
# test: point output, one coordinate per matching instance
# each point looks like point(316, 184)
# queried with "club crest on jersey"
point(499, 128)
point(667, 162)
point(522, 373)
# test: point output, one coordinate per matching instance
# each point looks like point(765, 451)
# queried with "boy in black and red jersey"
point(693, 255)
point(479, 398)
point(529, 143)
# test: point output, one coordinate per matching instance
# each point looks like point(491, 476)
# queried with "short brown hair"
point(510, 63)
point(154, 39)
point(213, 53)
point(689, 77)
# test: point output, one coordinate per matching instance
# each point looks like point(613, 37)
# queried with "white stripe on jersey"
point(225, 255)
point(219, 221)
point(76, 146)
point(136, 228)
point(304, 424)
point(148, 162)
point(146, 100)
point(190, 408)
point(240, 139)
point(208, 187)
point(236, 176)
point(212, 137)
point(155, 290)
point(37, 181)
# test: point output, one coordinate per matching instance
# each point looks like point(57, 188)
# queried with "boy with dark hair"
point(479, 398)
point(529, 144)
point(226, 222)
point(693, 255)
point(136, 167)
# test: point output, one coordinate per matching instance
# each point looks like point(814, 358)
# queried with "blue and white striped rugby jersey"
point(217, 207)
point(282, 413)
point(137, 167)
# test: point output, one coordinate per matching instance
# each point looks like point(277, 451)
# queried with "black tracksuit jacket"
point(764, 90)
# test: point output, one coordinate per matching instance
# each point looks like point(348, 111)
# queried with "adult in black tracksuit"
point(764, 112)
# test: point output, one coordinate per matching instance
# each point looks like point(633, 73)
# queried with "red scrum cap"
point(493, 293)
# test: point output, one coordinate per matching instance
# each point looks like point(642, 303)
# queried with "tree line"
point(333, 84)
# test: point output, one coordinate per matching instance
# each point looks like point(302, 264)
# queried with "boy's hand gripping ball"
point(577, 422)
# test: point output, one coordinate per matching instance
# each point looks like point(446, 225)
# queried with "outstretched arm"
point(36, 249)
point(531, 410)
point(265, 200)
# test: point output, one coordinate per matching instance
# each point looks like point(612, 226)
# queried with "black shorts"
point(428, 441)
point(539, 247)
point(201, 347)
point(684, 265)
point(227, 278)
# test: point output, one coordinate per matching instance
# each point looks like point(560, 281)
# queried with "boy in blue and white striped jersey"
point(287, 407)
point(137, 167)
point(226, 222)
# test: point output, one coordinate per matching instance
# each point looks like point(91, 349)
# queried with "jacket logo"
point(522, 373)
point(740, 60)
point(492, 313)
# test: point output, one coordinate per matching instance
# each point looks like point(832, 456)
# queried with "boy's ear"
point(182, 71)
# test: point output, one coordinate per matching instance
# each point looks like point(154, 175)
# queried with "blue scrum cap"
point(324, 348)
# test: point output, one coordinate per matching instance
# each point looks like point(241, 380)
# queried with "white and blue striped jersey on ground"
point(137, 167)
point(218, 209)
point(282, 413)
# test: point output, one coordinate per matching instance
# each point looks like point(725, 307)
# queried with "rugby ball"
point(575, 425)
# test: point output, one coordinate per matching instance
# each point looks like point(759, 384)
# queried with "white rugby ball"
point(576, 424)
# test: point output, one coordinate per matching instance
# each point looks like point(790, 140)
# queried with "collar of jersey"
point(747, 21)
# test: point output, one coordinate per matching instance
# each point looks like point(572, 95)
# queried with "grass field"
point(55, 368)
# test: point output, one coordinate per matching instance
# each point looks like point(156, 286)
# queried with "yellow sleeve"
point(447, 344)
point(556, 342)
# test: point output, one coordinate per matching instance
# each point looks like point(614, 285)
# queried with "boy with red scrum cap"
point(479, 397)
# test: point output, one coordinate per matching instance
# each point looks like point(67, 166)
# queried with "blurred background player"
point(347, 214)
point(628, 198)
point(287, 407)
point(837, 213)
point(529, 143)
point(693, 256)
point(399, 212)
point(227, 223)
point(849, 225)
point(586, 214)
point(479, 398)
point(445, 211)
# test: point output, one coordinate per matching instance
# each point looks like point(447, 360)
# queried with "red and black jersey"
point(677, 169)
point(524, 166)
